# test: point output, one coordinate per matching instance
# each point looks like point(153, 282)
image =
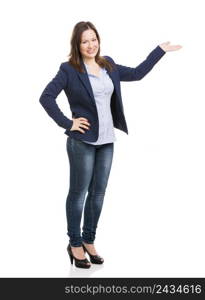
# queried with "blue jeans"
point(90, 167)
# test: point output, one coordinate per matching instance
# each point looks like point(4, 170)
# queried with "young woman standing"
point(92, 85)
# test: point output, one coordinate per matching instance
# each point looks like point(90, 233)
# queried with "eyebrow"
point(91, 39)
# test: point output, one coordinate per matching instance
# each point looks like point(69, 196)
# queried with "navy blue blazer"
point(78, 90)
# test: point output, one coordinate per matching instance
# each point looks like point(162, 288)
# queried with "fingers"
point(84, 121)
point(84, 124)
point(82, 131)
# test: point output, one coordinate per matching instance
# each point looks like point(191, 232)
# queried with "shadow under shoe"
point(79, 263)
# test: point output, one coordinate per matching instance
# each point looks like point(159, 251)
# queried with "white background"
point(152, 223)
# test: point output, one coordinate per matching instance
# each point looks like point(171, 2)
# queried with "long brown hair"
point(75, 55)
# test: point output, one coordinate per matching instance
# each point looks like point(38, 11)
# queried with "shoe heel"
point(80, 263)
point(70, 254)
point(71, 258)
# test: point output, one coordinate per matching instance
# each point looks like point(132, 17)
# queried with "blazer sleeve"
point(132, 74)
point(49, 95)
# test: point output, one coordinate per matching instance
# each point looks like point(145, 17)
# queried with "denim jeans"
point(90, 167)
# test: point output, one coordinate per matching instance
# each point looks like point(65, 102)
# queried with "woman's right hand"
point(80, 122)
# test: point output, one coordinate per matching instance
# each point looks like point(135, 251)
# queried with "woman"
point(92, 85)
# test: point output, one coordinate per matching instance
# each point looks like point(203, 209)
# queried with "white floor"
point(142, 246)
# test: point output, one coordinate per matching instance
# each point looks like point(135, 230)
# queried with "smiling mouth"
point(90, 52)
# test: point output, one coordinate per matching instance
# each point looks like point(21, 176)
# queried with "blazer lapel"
point(115, 81)
point(86, 82)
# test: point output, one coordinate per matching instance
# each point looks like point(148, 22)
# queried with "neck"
point(89, 61)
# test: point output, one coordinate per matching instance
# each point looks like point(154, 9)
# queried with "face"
point(89, 44)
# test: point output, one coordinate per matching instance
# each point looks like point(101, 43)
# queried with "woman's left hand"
point(166, 47)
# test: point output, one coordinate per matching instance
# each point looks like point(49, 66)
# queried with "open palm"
point(167, 47)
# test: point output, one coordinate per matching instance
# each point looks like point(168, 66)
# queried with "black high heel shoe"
point(95, 259)
point(79, 263)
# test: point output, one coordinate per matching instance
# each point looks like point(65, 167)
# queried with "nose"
point(90, 44)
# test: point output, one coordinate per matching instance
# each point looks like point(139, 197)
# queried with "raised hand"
point(167, 47)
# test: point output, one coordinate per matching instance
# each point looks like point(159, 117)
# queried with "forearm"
point(51, 107)
point(132, 74)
